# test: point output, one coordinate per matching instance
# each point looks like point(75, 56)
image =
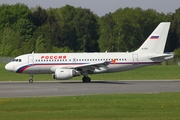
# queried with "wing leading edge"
point(90, 67)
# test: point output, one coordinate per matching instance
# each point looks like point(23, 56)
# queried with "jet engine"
point(64, 74)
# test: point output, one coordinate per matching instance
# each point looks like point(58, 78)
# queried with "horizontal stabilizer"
point(162, 56)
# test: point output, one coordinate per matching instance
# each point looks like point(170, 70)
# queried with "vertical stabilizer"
point(155, 43)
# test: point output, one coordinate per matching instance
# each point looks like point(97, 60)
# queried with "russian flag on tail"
point(154, 37)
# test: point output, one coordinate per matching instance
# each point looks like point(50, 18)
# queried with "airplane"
point(64, 66)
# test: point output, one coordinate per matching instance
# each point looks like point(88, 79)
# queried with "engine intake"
point(64, 74)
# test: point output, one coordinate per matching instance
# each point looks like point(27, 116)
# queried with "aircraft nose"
point(9, 67)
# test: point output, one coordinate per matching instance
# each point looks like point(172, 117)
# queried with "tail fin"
point(155, 43)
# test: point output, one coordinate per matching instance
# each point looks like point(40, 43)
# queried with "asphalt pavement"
point(74, 88)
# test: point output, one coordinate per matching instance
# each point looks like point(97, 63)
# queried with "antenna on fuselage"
point(33, 52)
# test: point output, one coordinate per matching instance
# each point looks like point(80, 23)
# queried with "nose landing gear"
point(31, 78)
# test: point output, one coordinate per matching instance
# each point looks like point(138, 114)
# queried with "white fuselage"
point(44, 63)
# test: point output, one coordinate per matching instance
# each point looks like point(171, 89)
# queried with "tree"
point(16, 27)
point(127, 28)
point(67, 25)
point(25, 28)
point(43, 36)
point(78, 28)
point(10, 14)
point(11, 41)
point(174, 34)
point(86, 27)
point(106, 39)
point(39, 16)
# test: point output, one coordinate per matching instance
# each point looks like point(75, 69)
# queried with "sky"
point(101, 7)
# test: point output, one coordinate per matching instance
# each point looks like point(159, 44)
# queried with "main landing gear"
point(86, 79)
point(31, 78)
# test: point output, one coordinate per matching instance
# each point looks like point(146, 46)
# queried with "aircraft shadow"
point(98, 82)
point(70, 82)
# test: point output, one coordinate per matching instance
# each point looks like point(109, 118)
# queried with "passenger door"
point(30, 60)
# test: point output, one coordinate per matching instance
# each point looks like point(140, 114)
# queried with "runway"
point(73, 88)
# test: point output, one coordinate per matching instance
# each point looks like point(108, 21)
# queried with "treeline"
point(70, 29)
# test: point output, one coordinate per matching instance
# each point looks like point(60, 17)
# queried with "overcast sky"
point(101, 7)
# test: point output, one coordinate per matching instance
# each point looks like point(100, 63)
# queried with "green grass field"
point(157, 72)
point(160, 106)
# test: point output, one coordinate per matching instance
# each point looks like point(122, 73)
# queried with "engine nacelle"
point(64, 74)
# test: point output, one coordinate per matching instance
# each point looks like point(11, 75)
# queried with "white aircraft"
point(64, 66)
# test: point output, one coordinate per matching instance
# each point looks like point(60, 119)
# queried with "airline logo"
point(154, 37)
point(53, 57)
point(114, 61)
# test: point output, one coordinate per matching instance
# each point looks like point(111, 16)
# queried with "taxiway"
point(73, 88)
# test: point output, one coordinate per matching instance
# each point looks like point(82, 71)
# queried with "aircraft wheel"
point(31, 81)
point(86, 79)
point(83, 79)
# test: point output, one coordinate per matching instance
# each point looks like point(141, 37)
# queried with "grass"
point(157, 72)
point(160, 106)
point(151, 73)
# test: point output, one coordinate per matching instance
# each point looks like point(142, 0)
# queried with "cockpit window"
point(16, 60)
point(13, 60)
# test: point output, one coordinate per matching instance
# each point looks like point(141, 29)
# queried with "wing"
point(90, 67)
